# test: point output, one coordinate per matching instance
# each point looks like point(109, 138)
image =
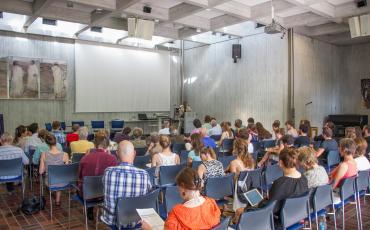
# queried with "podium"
point(188, 121)
point(1, 124)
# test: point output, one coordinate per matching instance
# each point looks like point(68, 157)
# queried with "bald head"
point(126, 152)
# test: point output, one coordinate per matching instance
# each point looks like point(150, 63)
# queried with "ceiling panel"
point(209, 14)
point(251, 2)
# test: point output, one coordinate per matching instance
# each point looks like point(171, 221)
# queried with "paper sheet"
point(150, 216)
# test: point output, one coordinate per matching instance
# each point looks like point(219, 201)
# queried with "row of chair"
point(115, 125)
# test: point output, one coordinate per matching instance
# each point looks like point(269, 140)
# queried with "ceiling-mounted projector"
point(274, 28)
point(140, 28)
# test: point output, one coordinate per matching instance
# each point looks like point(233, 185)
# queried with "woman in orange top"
point(197, 212)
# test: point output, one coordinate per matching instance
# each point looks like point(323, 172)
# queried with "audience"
point(207, 122)
point(33, 141)
point(244, 160)
point(82, 145)
point(20, 137)
point(328, 124)
point(43, 147)
point(284, 142)
point(250, 121)
point(360, 158)
point(358, 131)
point(210, 167)
point(329, 144)
point(71, 137)
point(166, 157)
point(124, 135)
point(8, 152)
point(94, 164)
point(366, 133)
point(227, 133)
point(253, 133)
point(154, 147)
point(207, 141)
point(275, 127)
point(316, 174)
point(52, 157)
point(136, 138)
point(197, 211)
point(216, 128)
point(290, 130)
point(244, 134)
point(350, 132)
point(197, 125)
point(166, 128)
point(113, 146)
point(262, 133)
point(238, 124)
point(124, 180)
point(302, 139)
point(197, 144)
point(58, 133)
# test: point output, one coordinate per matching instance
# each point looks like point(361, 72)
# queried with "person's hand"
point(145, 226)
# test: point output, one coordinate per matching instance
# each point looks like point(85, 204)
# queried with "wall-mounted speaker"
point(236, 52)
point(354, 26)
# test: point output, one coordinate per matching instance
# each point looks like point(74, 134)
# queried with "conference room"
point(184, 114)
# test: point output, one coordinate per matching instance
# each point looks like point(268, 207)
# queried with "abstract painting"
point(24, 77)
point(53, 79)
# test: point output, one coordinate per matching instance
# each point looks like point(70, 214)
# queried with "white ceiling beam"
point(183, 10)
point(101, 4)
point(214, 3)
point(322, 8)
point(301, 20)
point(264, 9)
point(235, 9)
point(195, 22)
point(38, 7)
point(223, 21)
point(330, 28)
point(349, 10)
point(16, 6)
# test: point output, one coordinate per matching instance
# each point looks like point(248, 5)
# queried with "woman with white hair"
point(82, 145)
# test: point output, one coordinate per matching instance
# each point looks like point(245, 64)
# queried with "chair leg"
point(358, 212)
point(317, 221)
point(86, 226)
point(69, 208)
point(343, 215)
point(97, 218)
point(335, 218)
point(51, 206)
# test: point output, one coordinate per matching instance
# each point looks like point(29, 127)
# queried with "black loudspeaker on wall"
point(236, 52)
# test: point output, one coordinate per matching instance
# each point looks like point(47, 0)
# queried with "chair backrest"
point(178, 147)
point(184, 156)
point(223, 225)
point(62, 174)
point(167, 174)
point(171, 198)
point(31, 152)
point(142, 161)
point(363, 180)
point(140, 151)
point(151, 172)
point(126, 207)
point(93, 187)
point(80, 123)
point(63, 125)
point(195, 164)
point(225, 160)
point(97, 124)
point(256, 147)
point(117, 124)
point(322, 197)
point(316, 144)
point(254, 179)
point(268, 143)
point(333, 158)
point(216, 137)
point(219, 187)
point(48, 127)
point(347, 188)
point(227, 144)
point(12, 167)
point(294, 210)
point(258, 219)
point(76, 157)
point(272, 173)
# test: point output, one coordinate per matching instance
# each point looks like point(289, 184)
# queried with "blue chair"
point(184, 156)
point(226, 146)
point(268, 143)
point(195, 164)
point(363, 183)
point(316, 144)
point(13, 169)
point(97, 125)
point(223, 225)
point(167, 174)
point(216, 137)
point(117, 125)
point(140, 151)
point(293, 211)
point(151, 172)
point(48, 127)
point(93, 194)
point(171, 198)
point(226, 160)
point(142, 161)
point(257, 150)
point(220, 187)
point(76, 157)
point(332, 159)
point(322, 197)
point(178, 147)
point(262, 218)
point(61, 177)
point(253, 180)
point(80, 123)
point(126, 207)
point(63, 125)
point(272, 173)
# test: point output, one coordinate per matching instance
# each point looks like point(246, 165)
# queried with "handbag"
point(33, 205)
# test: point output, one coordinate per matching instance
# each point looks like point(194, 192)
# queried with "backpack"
point(33, 205)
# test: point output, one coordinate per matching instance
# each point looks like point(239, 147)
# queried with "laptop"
point(253, 197)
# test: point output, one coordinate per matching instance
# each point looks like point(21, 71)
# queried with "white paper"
point(151, 217)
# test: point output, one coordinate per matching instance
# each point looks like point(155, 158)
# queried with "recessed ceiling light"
point(156, 20)
point(199, 30)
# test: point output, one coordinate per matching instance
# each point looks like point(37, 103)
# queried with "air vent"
point(96, 29)
point(50, 22)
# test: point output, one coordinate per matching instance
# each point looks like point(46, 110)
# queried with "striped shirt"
point(8, 152)
point(59, 135)
point(32, 142)
point(123, 180)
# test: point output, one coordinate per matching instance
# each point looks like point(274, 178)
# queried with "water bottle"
point(322, 223)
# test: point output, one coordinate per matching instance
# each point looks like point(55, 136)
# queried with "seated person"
point(94, 164)
point(263, 133)
point(197, 125)
point(275, 128)
point(207, 122)
point(8, 152)
point(216, 128)
point(360, 158)
point(316, 174)
point(82, 145)
point(125, 178)
point(244, 134)
point(58, 133)
point(227, 133)
point(20, 137)
point(286, 141)
point(166, 157)
point(166, 128)
point(244, 160)
point(329, 144)
point(197, 211)
point(238, 125)
point(71, 137)
point(253, 133)
point(136, 138)
point(348, 167)
point(290, 130)
point(210, 167)
point(302, 139)
point(207, 141)
point(292, 184)
point(197, 144)
point(113, 146)
point(43, 147)
point(366, 133)
point(33, 141)
point(122, 136)
point(154, 147)
point(52, 157)
point(328, 124)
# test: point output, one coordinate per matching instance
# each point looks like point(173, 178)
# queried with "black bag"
point(33, 205)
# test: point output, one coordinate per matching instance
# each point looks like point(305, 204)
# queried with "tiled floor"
point(12, 218)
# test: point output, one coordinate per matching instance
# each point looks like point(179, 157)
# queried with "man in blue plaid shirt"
point(124, 180)
point(58, 133)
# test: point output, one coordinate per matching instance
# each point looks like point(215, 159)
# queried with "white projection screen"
point(112, 79)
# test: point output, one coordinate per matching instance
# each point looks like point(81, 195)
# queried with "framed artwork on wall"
point(365, 92)
point(53, 79)
point(24, 75)
point(3, 78)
